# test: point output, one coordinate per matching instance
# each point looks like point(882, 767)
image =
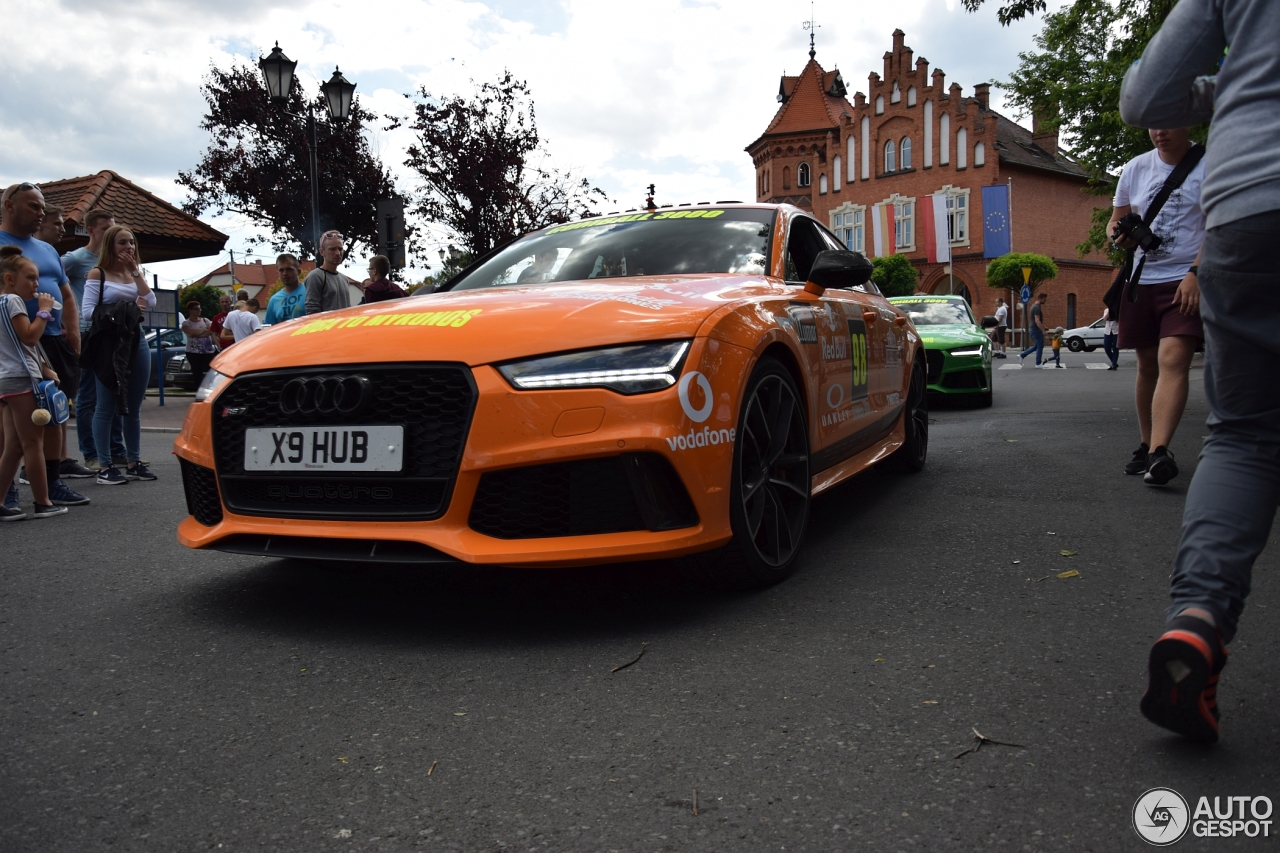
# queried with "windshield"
point(668, 242)
point(936, 312)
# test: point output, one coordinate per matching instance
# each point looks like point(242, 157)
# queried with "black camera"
point(1131, 225)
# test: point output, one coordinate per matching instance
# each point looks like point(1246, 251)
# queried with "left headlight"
point(965, 351)
point(633, 369)
point(213, 380)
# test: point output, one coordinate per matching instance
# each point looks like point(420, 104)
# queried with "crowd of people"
point(77, 320)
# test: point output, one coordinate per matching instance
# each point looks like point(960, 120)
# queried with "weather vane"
point(811, 25)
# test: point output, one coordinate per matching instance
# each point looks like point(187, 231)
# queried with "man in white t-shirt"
point(1163, 325)
point(1002, 325)
point(243, 321)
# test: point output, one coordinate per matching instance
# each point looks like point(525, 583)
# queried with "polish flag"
point(933, 226)
point(882, 229)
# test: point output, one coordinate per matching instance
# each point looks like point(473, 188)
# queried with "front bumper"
point(948, 374)
point(524, 452)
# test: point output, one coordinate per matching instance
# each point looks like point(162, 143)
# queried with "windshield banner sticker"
point(636, 217)
point(441, 319)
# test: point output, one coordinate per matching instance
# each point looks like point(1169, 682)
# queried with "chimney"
point(888, 66)
point(957, 102)
point(859, 100)
point(898, 37)
point(922, 69)
point(982, 94)
point(939, 80)
point(1044, 128)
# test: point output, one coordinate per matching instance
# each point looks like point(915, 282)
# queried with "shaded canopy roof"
point(164, 232)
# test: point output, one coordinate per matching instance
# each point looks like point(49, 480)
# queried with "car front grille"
point(433, 402)
point(614, 494)
point(934, 359)
point(201, 487)
point(965, 379)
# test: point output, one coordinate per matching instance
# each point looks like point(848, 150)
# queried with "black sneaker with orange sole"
point(1182, 685)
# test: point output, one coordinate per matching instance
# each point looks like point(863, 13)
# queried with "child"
point(19, 367)
point(1057, 346)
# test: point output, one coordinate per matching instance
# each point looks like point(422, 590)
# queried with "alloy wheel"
point(774, 469)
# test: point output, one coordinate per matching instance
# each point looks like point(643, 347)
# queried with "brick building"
point(912, 136)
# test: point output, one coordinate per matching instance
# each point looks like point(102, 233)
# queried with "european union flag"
point(995, 221)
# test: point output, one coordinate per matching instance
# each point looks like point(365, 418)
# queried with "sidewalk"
point(157, 418)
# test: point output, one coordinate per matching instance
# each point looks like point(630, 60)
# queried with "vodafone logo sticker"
point(697, 415)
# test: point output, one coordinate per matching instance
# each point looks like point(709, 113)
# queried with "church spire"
point(811, 26)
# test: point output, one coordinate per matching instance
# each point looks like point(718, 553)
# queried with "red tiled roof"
point(808, 106)
point(168, 231)
point(259, 274)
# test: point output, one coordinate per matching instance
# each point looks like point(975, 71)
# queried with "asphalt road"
point(161, 699)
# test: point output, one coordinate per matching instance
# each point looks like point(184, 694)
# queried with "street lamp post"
point(277, 70)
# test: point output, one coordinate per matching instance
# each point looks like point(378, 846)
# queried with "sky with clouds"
point(626, 93)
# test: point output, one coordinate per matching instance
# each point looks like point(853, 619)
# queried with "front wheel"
point(1075, 344)
point(911, 456)
point(769, 494)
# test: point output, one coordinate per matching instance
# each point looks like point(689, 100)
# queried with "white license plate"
point(324, 448)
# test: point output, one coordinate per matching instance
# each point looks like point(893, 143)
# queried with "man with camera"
point(1160, 313)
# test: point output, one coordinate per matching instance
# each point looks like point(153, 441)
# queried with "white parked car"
point(1086, 338)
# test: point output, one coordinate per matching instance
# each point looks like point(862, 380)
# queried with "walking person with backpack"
point(1156, 216)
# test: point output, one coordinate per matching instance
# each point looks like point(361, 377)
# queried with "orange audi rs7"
point(665, 383)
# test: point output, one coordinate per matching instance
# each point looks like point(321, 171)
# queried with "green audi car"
point(958, 350)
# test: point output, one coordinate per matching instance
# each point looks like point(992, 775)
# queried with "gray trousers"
point(1232, 499)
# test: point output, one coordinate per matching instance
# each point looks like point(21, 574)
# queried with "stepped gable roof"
point(1015, 145)
point(812, 100)
point(164, 232)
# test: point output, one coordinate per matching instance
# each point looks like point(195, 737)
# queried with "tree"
point(482, 167)
point(1005, 272)
point(204, 294)
point(1074, 80)
point(894, 275)
point(1014, 11)
point(257, 164)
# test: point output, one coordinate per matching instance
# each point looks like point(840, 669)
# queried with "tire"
point(1075, 344)
point(911, 456)
point(769, 494)
point(983, 400)
point(1090, 349)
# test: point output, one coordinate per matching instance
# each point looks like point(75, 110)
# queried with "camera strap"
point(1179, 174)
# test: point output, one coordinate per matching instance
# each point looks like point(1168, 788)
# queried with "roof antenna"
point(648, 202)
point(811, 26)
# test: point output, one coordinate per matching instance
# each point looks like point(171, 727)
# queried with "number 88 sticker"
point(858, 355)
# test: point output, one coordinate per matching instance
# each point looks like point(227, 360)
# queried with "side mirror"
point(989, 322)
point(837, 268)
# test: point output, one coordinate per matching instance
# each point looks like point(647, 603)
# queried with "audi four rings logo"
point(325, 395)
point(697, 415)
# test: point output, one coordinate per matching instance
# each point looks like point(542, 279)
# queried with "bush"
point(1006, 270)
point(204, 294)
point(894, 275)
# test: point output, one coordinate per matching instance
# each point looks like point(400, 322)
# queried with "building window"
point(853, 160)
point(904, 223)
point(911, 96)
point(962, 148)
point(904, 153)
point(835, 174)
point(802, 175)
point(890, 162)
point(944, 136)
point(822, 185)
point(957, 216)
point(786, 177)
point(896, 95)
point(928, 134)
point(1071, 310)
point(979, 155)
point(849, 222)
point(879, 104)
point(866, 148)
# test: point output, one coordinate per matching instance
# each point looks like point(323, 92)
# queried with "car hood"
point(945, 337)
point(497, 324)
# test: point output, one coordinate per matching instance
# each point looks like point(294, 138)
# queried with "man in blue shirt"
point(290, 301)
point(21, 217)
point(77, 264)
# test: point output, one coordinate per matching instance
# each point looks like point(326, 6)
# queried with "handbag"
point(1126, 280)
point(48, 395)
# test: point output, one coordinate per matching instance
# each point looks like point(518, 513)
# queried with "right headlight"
point(633, 369)
point(213, 380)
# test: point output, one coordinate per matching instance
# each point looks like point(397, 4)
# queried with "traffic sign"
point(1026, 294)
